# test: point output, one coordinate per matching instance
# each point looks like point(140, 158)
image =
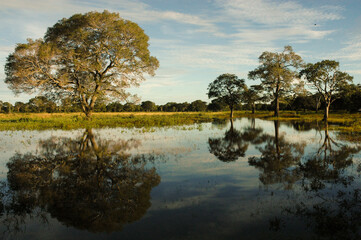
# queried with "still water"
point(250, 179)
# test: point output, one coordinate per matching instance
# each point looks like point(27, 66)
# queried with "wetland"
point(248, 178)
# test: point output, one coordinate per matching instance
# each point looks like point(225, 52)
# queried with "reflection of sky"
point(197, 191)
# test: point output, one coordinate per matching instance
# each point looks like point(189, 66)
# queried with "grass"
point(42, 121)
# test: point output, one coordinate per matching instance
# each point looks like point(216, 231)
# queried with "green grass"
point(42, 121)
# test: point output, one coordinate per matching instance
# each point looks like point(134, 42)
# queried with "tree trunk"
point(253, 108)
point(231, 116)
point(88, 113)
point(327, 107)
point(318, 104)
point(277, 107)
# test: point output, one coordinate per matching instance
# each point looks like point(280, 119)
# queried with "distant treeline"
point(349, 100)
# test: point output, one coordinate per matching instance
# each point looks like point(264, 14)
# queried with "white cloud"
point(265, 20)
point(292, 34)
point(354, 72)
point(134, 10)
point(284, 13)
point(351, 50)
point(4, 50)
point(277, 19)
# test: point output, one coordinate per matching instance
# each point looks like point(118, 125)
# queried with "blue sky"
point(197, 40)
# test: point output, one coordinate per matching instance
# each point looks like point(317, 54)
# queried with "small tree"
point(277, 72)
point(148, 106)
point(115, 107)
point(198, 106)
point(7, 107)
point(252, 95)
point(227, 88)
point(326, 78)
point(86, 57)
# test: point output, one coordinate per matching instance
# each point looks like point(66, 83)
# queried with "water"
point(250, 179)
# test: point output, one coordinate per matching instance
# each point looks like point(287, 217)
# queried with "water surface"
point(250, 179)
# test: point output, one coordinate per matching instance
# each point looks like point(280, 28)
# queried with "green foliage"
point(349, 98)
point(41, 104)
point(197, 106)
point(277, 71)
point(115, 107)
point(227, 88)
point(217, 105)
point(252, 95)
point(326, 78)
point(148, 106)
point(87, 56)
point(175, 107)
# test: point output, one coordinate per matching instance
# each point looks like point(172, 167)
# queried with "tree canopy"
point(85, 57)
point(277, 71)
point(252, 95)
point(227, 88)
point(326, 78)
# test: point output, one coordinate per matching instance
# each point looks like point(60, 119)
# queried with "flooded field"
point(247, 179)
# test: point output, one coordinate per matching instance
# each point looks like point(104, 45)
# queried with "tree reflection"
point(304, 125)
point(278, 160)
point(329, 194)
point(89, 183)
point(235, 143)
point(328, 163)
point(230, 147)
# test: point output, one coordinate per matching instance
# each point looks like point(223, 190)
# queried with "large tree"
point(327, 79)
point(277, 71)
point(86, 56)
point(227, 88)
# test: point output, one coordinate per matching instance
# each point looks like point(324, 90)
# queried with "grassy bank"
point(337, 121)
point(41, 121)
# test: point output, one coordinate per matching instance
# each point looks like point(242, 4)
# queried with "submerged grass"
point(42, 121)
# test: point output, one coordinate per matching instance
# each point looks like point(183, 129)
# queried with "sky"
point(195, 41)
